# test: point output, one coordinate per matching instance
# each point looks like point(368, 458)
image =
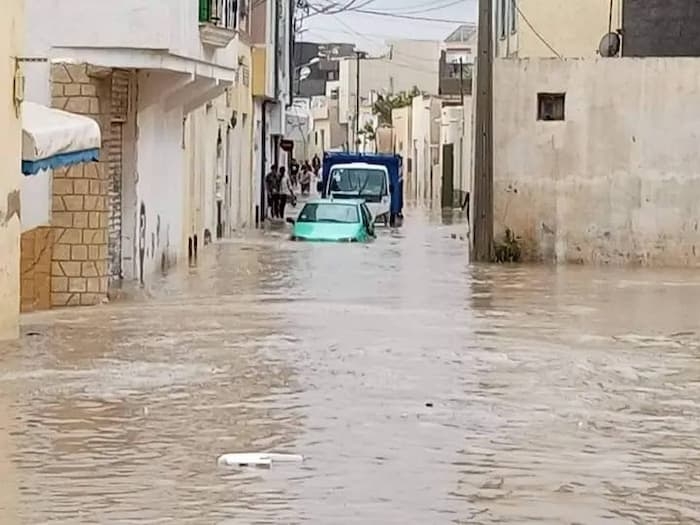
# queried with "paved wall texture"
point(35, 266)
point(80, 210)
point(617, 181)
point(79, 272)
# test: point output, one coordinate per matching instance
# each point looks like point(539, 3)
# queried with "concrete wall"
point(661, 28)
point(36, 200)
point(456, 129)
point(617, 181)
point(241, 147)
point(160, 189)
point(571, 28)
point(403, 145)
point(425, 123)
point(11, 27)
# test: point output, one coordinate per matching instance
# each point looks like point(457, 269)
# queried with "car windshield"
point(321, 212)
point(363, 182)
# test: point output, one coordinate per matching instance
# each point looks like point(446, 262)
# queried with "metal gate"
point(119, 107)
point(448, 166)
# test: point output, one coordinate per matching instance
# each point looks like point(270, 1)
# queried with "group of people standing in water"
point(280, 185)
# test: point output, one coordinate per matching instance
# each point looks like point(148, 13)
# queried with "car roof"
point(339, 202)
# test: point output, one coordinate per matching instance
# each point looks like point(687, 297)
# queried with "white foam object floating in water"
point(263, 460)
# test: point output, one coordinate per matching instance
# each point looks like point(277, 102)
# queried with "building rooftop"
point(462, 34)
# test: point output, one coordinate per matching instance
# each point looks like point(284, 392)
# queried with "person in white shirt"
point(286, 192)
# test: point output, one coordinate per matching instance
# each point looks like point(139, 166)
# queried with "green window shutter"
point(204, 10)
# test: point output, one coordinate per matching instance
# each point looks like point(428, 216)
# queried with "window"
point(453, 70)
point(334, 94)
point(551, 106)
point(369, 184)
point(513, 16)
point(322, 212)
point(502, 18)
point(332, 75)
point(222, 13)
point(316, 138)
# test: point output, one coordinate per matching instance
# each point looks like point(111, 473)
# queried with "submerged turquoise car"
point(346, 220)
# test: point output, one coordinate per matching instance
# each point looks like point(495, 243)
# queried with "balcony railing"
point(221, 13)
point(218, 21)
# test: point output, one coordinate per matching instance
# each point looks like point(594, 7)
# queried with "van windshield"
point(358, 182)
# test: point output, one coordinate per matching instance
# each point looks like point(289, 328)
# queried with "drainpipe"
point(292, 41)
point(276, 37)
point(263, 157)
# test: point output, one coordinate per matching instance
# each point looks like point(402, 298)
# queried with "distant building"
point(457, 62)
point(324, 66)
point(327, 134)
point(407, 64)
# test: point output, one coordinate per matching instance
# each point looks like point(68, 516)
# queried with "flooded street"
point(420, 390)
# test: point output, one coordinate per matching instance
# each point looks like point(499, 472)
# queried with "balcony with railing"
point(218, 21)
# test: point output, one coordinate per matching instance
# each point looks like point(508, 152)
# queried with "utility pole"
point(461, 82)
point(357, 101)
point(482, 216)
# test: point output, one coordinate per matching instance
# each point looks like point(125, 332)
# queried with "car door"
point(367, 219)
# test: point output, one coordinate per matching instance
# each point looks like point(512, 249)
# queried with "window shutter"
point(204, 10)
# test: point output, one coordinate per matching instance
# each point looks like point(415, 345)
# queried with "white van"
point(360, 180)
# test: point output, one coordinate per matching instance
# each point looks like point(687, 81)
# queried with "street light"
point(304, 70)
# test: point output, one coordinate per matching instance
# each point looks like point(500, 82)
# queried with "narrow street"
point(419, 390)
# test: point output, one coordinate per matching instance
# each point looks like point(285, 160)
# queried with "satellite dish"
point(609, 45)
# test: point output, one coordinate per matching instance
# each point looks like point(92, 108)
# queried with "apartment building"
point(139, 68)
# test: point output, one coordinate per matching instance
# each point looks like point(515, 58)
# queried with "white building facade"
point(11, 24)
point(271, 40)
point(143, 68)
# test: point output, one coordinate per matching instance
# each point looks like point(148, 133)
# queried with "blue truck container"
point(393, 164)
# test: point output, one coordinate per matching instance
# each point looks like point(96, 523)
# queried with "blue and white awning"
point(52, 138)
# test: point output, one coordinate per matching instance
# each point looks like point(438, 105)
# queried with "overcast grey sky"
point(370, 31)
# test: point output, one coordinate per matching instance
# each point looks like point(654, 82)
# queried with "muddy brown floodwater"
point(419, 389)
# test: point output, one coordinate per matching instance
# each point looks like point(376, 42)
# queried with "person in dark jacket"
point(316, 164)
point(271, 185)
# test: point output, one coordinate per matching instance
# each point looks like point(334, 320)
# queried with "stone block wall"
point(79, 261)
point(35, 266)
point(79, 273)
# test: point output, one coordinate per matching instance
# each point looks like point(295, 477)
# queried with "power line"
point(322, 11)
point(410, 17)
point(426, 9)
point(537, 34)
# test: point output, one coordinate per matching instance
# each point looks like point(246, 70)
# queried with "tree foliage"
point(385, 104)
